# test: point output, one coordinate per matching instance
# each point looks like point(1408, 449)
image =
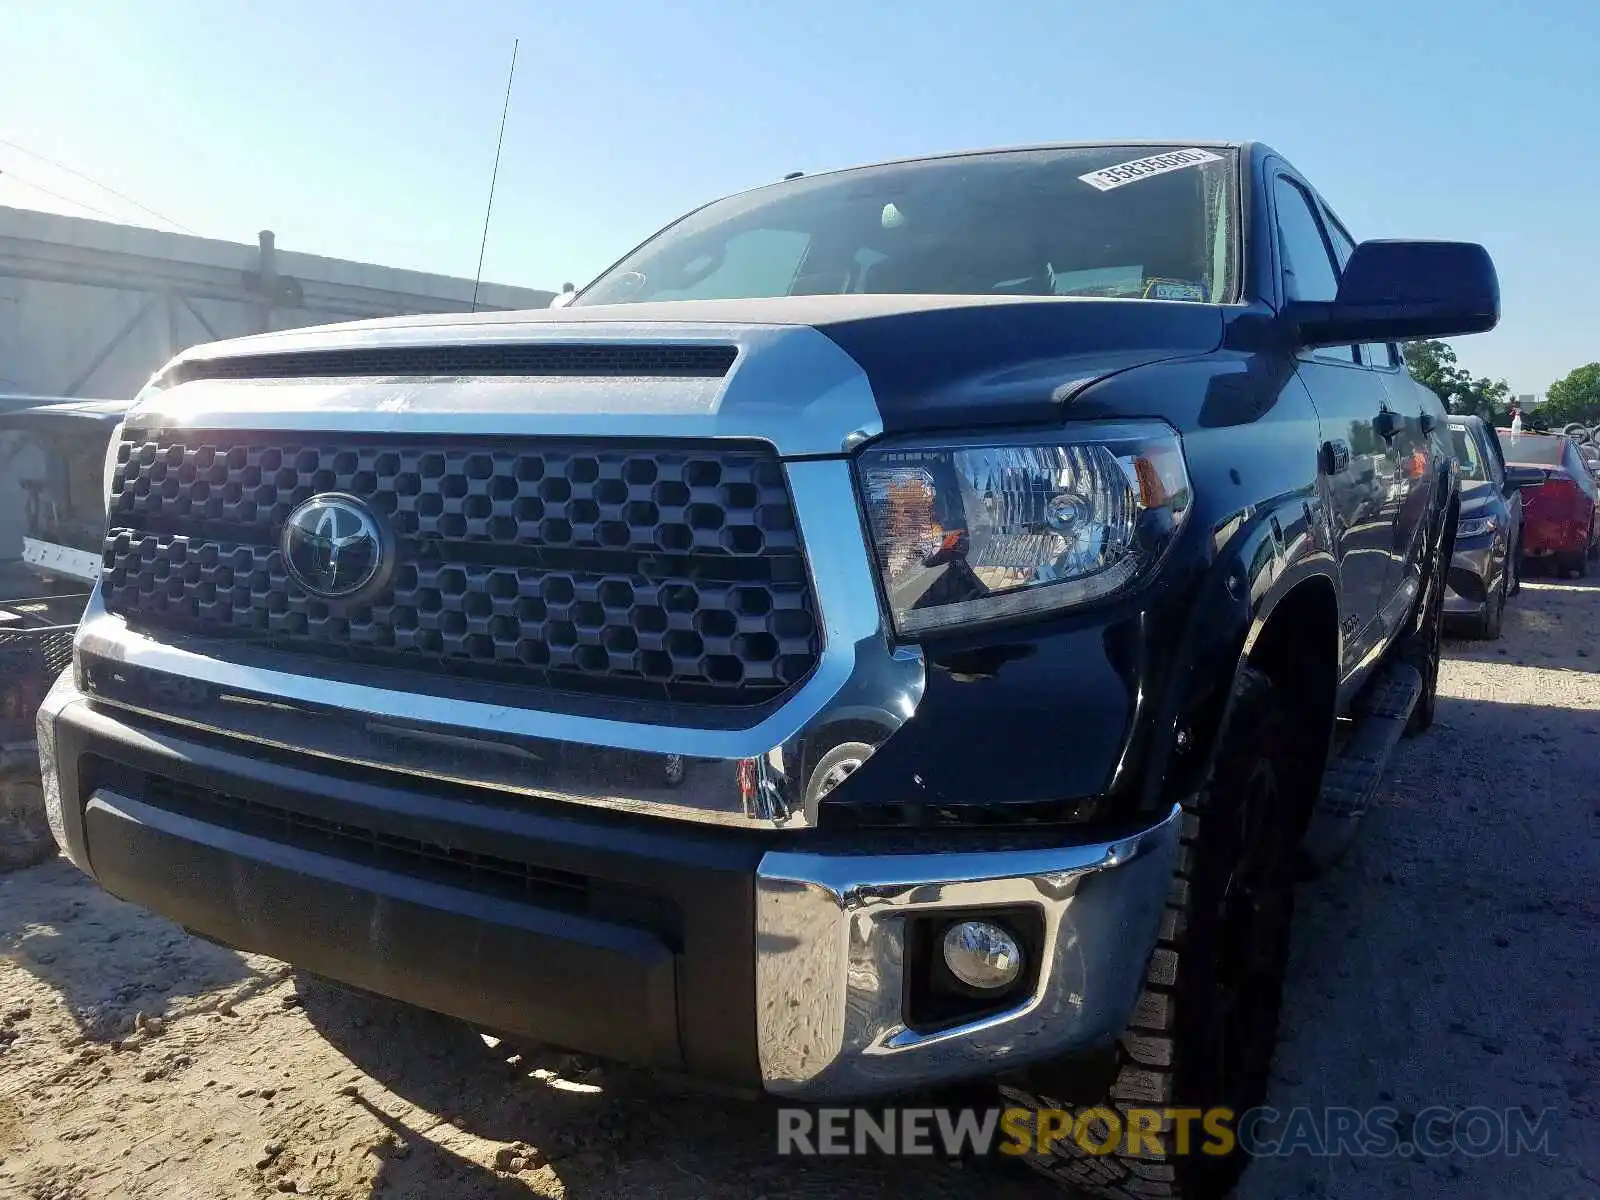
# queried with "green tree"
point(1574, 398)
point(1434, 365)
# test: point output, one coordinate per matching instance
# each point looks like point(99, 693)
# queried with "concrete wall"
point(91, 309)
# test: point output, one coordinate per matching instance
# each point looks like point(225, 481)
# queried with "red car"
point(1558, 516)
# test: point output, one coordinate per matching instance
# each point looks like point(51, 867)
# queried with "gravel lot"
point(1453, 959)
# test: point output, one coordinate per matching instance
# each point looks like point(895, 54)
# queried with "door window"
point(1495, 460)
point(1378, 354)
point(1467, 450)
point(1308, 267)
point(1343, 244)
point(1579, 470)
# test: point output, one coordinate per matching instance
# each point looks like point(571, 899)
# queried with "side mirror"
point(1524, 477)
point(1396, 291)
point(562, 299)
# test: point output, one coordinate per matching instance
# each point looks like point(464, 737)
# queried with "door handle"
point(1429, 422)
point(1386, 425)
point(1335, 456)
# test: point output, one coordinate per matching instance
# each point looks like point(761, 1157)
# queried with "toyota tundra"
point(897, 626)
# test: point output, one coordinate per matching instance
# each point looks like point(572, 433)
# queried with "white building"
point(92, 309)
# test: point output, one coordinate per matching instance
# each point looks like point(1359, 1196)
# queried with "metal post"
point(172, 323)
point(269, 276)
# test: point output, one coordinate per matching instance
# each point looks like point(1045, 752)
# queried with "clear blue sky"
point(366, 130)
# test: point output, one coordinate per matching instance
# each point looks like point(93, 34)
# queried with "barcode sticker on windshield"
point(1142, 168)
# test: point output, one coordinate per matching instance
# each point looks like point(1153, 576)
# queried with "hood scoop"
point(578, 359)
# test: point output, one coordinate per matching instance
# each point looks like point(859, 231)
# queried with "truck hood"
point(815, 375)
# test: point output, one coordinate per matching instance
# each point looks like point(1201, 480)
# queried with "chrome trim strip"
point(790, 385)
point(830, 958)
point(745, 777)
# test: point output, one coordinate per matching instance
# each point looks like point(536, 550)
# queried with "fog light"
point(982, 955)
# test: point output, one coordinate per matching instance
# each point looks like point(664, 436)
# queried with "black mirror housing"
point(1399, 290)
point(1525, 477)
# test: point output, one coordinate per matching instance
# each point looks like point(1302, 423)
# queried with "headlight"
point(982, 531)
point(110, 469)
point(1476, 526)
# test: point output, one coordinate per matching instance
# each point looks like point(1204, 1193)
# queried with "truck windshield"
point(1153, 223)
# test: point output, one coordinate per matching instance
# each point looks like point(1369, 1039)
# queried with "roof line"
point(1024, 148)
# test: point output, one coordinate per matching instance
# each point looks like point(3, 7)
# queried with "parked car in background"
point(52, 529)
point(52, 497)
point(1484, 567)
point(1558, 515)
point(1581, 433)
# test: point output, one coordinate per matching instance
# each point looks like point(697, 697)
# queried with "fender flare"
point(1261, 557)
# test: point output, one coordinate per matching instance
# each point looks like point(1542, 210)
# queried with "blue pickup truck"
point(897, 626)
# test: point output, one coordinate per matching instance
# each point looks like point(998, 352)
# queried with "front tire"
point(1488, 626)
point(1205, 1024)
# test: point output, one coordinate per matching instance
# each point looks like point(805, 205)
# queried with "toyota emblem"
point(333, 546)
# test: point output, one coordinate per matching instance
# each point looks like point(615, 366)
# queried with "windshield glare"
point(1017, 223)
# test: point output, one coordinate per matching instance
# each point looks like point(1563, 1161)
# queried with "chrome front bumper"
point(827, 932)
point(831, 957)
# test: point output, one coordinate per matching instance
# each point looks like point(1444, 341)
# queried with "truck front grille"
point(658, 571)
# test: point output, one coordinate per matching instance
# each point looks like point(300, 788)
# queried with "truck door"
point(1413, 422)
point(1406, 447)
point(1357, 463)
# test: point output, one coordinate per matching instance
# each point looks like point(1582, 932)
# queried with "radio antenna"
point(483, 245)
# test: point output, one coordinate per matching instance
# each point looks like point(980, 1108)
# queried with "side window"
point(1579, 470)
point(1375, 354)
point(1382, 355)
point(1496, 459)
point(1308, 271)
point(1343, 244)
point(1308, 268)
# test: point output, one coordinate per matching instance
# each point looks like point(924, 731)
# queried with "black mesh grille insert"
point(608, 359)
point(411, 856)
point(661, 573)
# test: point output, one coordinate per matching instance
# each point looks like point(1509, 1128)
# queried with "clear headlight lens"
point(967, 533)
point(1476, 526)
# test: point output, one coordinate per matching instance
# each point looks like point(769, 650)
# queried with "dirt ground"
point(1453, 958)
